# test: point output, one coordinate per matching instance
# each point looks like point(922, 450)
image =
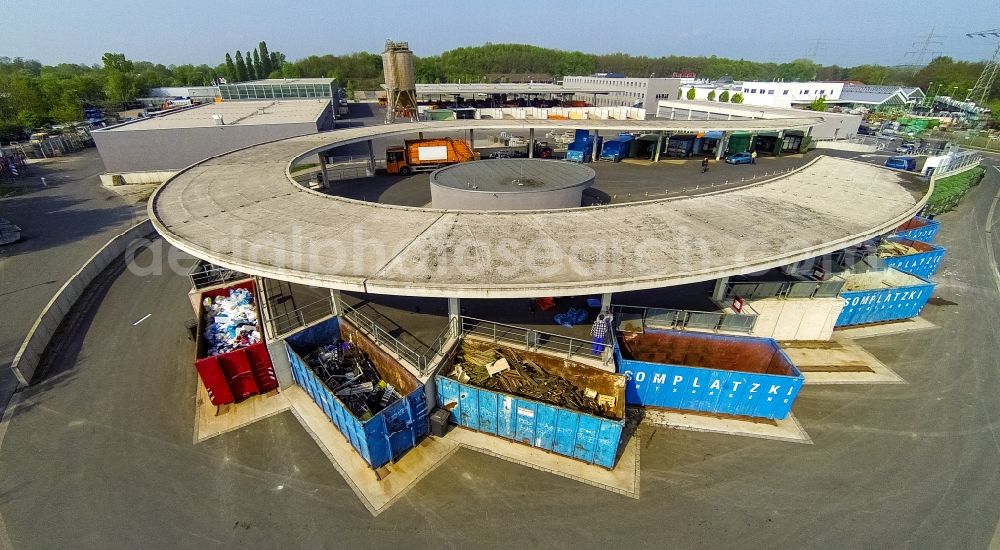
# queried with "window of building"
point(784, 92)
point(770, 92)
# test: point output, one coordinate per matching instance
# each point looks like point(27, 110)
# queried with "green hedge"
point(948, 191)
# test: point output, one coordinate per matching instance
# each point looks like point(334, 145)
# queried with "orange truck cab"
point(427, 154)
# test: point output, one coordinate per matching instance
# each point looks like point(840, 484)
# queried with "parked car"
point(739, 158)
point(901, 163)
point(905, 149)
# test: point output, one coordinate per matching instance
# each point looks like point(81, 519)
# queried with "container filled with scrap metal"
point(378, 405)
point(533, 398)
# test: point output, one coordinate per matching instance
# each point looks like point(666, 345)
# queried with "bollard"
point(43, 183)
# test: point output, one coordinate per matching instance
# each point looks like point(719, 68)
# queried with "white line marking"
point(141, 320)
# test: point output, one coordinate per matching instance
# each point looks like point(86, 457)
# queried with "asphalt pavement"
point(62, 225)
point(101, 454)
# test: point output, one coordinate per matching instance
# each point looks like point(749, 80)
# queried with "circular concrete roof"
point(242, 210)
point(513, 175)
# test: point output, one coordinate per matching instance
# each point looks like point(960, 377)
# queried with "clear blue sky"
point(851, 32)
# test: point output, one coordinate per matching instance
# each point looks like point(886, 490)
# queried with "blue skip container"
point(919, 229)
point(586, 437)
point(881, 296)
point(923, 262)
point(384, 437)
point(711, 373)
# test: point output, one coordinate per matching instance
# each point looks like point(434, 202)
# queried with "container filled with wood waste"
point(712, 373)
point(372, 399)
point(919, 229)
point(537, 399)
point(909, 256)
point(881, 296)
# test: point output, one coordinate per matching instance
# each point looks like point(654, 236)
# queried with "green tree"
point(711, 95)
point(265, 59)
point(737, 98)
point(818, 104)
point(231, 73)
point(691, 93)
point(277, 61)
point(724, 96)
point(251, 68)
point(69, 107)
point(350, 90)
point(120, 82)
point(241, 68)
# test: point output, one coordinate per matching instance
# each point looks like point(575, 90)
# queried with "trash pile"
point(230, 322)
point(574, 316)
point(352, 377)
point(503, 370)
point(890, 249)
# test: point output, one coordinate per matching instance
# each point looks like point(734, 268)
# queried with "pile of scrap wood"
point(503, 370)
point(890, 249)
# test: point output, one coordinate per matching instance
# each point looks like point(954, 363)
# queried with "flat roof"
point(506, 88)
point(286, 81)
point(513, 175)
point(242, 113)
point(243, 211)
point(744, 110)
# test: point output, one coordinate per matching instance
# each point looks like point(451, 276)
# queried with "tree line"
point(32, 94)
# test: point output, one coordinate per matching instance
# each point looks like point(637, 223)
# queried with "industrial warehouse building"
point(177, 139)
point(616, 90)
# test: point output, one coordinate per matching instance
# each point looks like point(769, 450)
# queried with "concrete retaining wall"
point(34, 344)
point(133, 178)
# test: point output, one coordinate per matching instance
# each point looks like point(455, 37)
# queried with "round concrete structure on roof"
point(510, 184)
point(243, 210)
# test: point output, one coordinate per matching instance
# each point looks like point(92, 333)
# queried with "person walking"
point(704, 165)
point(598, 332)
point(753, 157)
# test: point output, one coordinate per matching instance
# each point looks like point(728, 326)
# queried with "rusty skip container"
point(881, 296)
point(712, 373)
point(919, 229)
point(586, 437)
point(384, 437)
point(923, 263)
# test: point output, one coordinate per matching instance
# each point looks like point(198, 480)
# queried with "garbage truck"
point(427, 154)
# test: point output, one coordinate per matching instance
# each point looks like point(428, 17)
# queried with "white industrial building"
point(784, 94)
point(612, 90)
point(767, 94)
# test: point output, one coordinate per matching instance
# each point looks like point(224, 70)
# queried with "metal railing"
point(282, 324)
point(636, 318)
point(532, 340)
point(960, 161)
point(204, 275)
point(422, 360)
point(784, 289)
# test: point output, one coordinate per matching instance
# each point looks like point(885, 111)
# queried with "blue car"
point(739, 158)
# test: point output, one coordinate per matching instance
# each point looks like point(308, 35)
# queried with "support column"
point(672, 111)
point(606, 301)
point(335, 302)
point(531, 143)
point(659, 147)
point(721, 146)
point(472, 139)
point(420, 135)
point(594, 152)
point(454, 309)
point(322, 169)
point(780, 144)
point(719, 294)
point(371, 160)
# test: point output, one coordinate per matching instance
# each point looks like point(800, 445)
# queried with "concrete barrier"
point(135, 178)
point(34, 344)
